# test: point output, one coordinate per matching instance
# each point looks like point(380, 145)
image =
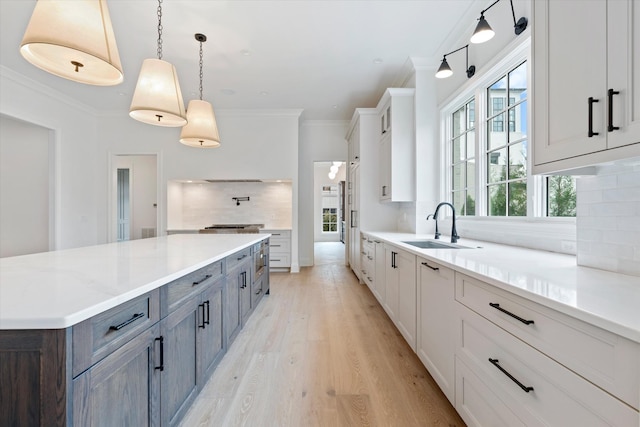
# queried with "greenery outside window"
point(329, 220)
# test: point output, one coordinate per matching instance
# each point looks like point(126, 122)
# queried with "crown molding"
point(34, 85)
point(324, 123)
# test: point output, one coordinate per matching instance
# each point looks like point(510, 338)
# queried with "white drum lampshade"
point(73, 40)
point(157, 99)
point(201, 129)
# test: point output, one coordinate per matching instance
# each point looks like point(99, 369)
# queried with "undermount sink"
point(430, 244)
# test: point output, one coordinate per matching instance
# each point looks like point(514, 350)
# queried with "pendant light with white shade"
point(201, 129)
point(157, 99)
point(73, 40)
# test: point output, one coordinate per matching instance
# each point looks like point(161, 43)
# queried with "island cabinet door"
point(211, 329)
point(179, 378)
point(232, 307)
point(122, 389)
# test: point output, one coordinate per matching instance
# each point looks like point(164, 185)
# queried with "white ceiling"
point(315, 55)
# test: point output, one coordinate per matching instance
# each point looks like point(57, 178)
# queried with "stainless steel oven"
point(260, 258)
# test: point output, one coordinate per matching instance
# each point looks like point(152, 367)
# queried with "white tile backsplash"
point(608, 218)
point(204, 204)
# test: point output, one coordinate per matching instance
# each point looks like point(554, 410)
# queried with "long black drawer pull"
point(161, 367)
point(433, 268)
point(591, 132)
point(206, 322)
point(610, 94)
point(497, 307)
point(494, 362)
point(242, 257)
point(126, 322)
point(197, 282)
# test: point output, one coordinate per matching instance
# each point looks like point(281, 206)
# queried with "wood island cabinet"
point(141, 363)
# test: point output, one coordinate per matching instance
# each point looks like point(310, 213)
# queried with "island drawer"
point(604, 358)
point(173, 293)
point(100, 335)
point(234, 259)
point(536, 388)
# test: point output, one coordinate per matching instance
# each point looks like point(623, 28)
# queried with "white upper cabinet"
point(397, 146)
point(585, 81)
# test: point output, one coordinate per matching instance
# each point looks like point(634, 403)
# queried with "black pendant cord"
point(201, 38)
point(159, 29)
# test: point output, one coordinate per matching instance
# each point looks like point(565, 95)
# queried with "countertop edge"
point(626, 331)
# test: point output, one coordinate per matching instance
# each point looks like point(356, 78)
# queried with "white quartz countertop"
point(608, 300)
point(58, 289)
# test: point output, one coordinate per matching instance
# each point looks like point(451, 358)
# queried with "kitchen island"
point(146, 319)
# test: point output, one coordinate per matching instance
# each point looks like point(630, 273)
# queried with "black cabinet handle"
point(433, 268)
point(610, 94)
point(393, 259)
point(497, 307)
point(206, 322)
point(201, 306)
point(384, 190)
point(494, 362)
point(161, 367)
point(591, 132)
point(197, 282)
point(242, 257)
point(126, 322)
point(259, 290)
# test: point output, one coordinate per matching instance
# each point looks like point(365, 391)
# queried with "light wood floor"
point(321, 351)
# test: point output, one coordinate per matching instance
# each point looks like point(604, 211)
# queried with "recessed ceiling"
point(326, 57)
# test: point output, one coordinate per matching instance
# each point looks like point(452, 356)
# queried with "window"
point(463, 165)
point(487, 151)
point(329, 220)
point(506, 151)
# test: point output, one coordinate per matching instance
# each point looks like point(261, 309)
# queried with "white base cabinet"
point(436, 323)
point(400, 290)
point(279, 249)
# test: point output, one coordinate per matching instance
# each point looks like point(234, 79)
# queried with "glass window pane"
point(497, 165)
point(471, 174)
point(518, 122)
point(458, 149)
point(471, 144)
point(518, 198)
point(561, 196)
point(458, 179)
point(458, 201)
point(459, 122)
point(518, 160)
point(471, 114)
point(496, 96)
point(470, 203)
point(496, 133)
point(497, 200)
point(518, 84)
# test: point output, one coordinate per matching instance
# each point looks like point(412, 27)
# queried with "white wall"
point(143, 178)
point(319, 141)
point(79, 176)
point(24, 187)
point(321, 179)
point(204, 203)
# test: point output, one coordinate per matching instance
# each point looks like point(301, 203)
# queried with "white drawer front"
point(279, 260)
point(477, 404)
point(558, 397)
point(604, 358)
point(277, 234)
point(280, 245)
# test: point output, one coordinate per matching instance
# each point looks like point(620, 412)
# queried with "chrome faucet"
point(454, 233)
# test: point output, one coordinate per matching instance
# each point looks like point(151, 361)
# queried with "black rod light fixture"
point(240, 199)
point(484, 32)
point(445, 70)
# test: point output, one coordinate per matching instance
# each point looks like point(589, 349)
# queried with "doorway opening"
point(134, 196)
point(329, 210)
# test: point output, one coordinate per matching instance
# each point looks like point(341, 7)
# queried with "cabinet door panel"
point(406, 316)
point(232, 308)
point(212, 347)
point(623, 41)
point(179, 384)
point(570, 67)
point(122, 389)
point(391, 284)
